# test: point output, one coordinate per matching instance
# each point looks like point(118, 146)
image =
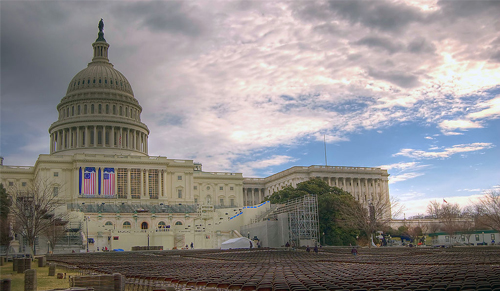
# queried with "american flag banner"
point(108, 184)
point(89, 179)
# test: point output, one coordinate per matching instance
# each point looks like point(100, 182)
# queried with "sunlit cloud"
point(403, 177)
point(445, 153)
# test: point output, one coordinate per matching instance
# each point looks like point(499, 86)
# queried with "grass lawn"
point(44, 281)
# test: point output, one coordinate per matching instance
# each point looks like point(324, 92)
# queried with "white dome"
point(99, 75)
point(99, 113)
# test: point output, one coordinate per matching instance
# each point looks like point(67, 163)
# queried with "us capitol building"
point(116, 196)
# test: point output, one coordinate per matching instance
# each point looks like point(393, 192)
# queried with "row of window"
point(116, 84)
point(23, 184)
point(144, 225)
point(73, 110)
point(208, 201)
point(221, 188)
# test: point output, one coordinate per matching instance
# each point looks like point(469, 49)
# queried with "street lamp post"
point(323, 238)
point(148, 241)
point(483, 238)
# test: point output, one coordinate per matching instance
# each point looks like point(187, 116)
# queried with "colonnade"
point(98, 136)
point(362, 189)
point(253, 196)
point(131, 183)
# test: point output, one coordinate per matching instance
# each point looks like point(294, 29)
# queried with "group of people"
point(308, 249)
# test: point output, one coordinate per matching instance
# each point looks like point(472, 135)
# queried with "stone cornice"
point(85, 121)
point(100, 94)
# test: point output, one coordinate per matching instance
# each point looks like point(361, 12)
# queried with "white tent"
point(236, 243)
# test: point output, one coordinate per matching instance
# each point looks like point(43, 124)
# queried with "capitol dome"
point(99, 113)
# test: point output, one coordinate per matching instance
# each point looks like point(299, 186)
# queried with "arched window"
point(85, 109)
point(162, 224)
point(178, 223)
point(108, 223)
point(208, 199)
point(144, 225)
point(107, 108)
point(127, 225)
point(99, 110)
point(114, 109)
point(92, 109)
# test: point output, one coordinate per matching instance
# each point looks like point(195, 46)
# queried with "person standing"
point(192, 245)
point(354, 251)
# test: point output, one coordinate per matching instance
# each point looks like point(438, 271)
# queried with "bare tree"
point(372, 217)
point(5, 230)
point(434, 209)
point(56, 231)
point(449, 214)
point(34, 210)
point(467, 224)
point(488, 210)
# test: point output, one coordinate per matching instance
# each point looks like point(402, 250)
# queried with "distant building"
point(99, 165)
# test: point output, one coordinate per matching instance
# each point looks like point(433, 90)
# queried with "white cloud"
point(470, 190)
point(403, 177)
point(221, 81)
point(492, 110)
point(248, 168)
point(449, 125)
point(445, 153)
point(401, 166)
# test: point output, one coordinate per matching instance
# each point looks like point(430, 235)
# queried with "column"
point(77, 137)
point(64, 139)
point(159, 181)
point(60, 139)
point(165, 185)
point(146, 195)
point(128, 185)
point(52, 143)
point(87, 137)
point(95, 136)
point(112, 137)
point(142, 183)
point(138, 141)
point(368, 198)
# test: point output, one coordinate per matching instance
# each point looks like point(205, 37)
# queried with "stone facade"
point(118, 196)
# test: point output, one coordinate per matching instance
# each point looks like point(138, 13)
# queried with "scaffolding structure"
point(303, 223)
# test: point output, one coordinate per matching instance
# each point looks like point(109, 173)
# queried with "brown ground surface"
point(459, 268)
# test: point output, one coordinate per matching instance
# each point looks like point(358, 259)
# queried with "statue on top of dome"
point(101, 25)
point(100, 35)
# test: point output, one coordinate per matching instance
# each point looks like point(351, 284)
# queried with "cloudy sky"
point(257, 86)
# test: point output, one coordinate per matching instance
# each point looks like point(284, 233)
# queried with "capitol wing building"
point(116, 196)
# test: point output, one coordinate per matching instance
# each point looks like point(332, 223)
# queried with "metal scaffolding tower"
point(302, 219)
